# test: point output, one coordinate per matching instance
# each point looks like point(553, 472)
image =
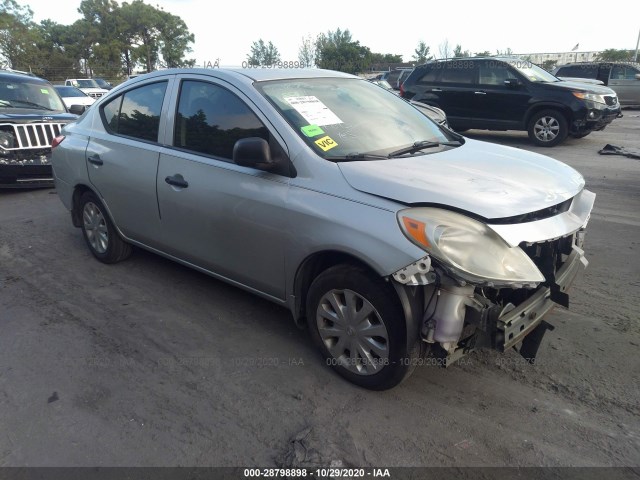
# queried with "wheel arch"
point(563, 109)
point(78, 191)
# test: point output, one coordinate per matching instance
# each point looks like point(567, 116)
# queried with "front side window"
point(136, 113)
point(340, 118)
point(494, 73)
point(211, 119)
point(623, 72)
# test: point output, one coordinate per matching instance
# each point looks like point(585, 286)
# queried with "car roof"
point(257, 74)
point(20, 77)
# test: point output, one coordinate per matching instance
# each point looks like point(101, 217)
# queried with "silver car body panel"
point(480, 178)
point(255, 229)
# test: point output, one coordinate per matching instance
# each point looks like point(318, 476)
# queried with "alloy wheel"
point(95, 227)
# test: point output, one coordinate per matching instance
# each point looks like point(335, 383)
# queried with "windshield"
point(533, 72)
point(86, 83)
point(342, 117)
point(70, 92)
point(102, 83)
point(30, 95)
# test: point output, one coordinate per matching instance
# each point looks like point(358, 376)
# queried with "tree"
point(444, 49)
point(18, 35)
point(549, 65)
point(422, 53)
point(485, 53)
point(338, 51)
point(614, 55)
point(307, 52)
point(506, 52)
point(458, 53)
point(263, 54)
point(385, 58)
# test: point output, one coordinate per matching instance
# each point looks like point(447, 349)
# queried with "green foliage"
point(422, 53)
point(614, 55)
point(263, 54)
point(458, 53)
point(110, 40)
point(549, 65)
point(385, 58)
point(307, 52)
point(338, 51)
point(486, 53)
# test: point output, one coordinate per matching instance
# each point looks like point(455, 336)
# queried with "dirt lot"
point(148, 363)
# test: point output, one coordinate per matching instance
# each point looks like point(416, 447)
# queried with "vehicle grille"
point(611, 100)
point(95, 95)
point(32, 135)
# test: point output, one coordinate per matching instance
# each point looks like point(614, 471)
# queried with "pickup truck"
point(87, 85)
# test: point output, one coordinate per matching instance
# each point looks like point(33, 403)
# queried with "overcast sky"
point(225, 30)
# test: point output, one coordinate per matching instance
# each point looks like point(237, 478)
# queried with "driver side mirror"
point(77, 109)
point(512, 82)
point(253, 152)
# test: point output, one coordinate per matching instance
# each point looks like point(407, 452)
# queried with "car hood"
point(26, 115)
point(488, 180)
point(582, 86)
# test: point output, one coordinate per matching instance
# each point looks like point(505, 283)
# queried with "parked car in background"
point(622, 77)
point(73, 96)
point(386, 234)
point(31, 116)
point(511, 94)
point(393, 77)
point(87, 85)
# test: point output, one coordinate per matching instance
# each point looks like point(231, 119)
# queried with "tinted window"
point(458, 72)
point(429, 76)
point(494, 73)
point(579, 71)
point(137, 112)
point(211, 119)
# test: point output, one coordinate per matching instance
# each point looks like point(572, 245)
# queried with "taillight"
point(57, 141)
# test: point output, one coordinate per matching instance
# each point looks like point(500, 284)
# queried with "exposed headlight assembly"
point(468, 248)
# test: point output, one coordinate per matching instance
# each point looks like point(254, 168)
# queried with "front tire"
point(101, 237)
point(548, 128)
point(357, 322)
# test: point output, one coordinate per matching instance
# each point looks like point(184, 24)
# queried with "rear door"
point(455, 90)
point(222, 217)
point(122, 158)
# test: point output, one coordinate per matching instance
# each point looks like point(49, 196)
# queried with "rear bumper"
point(26, 176)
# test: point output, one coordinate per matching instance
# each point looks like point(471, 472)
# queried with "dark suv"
point(511, 94)
point(31, 116)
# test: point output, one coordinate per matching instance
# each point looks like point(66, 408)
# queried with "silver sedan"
point(389, 236)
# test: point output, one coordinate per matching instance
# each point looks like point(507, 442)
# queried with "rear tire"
point(547, 128)
point(102, 238)
point(356, 321)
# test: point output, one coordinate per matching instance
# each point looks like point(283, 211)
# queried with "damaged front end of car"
point(490, 283)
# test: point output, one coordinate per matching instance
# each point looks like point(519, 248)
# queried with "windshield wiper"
point(421, 145)
point(32, 104)
point(359, 156)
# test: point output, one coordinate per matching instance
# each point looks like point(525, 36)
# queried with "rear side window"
point(429, 75)
point(578, 71)
point(210, 119)
point(458, 72)
point(136, 113)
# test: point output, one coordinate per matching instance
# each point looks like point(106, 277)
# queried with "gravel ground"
point(148, 363)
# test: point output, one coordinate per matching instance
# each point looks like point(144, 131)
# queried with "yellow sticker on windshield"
point(326, 143)
point(45, 91)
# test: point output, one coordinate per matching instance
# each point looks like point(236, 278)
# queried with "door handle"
point(95, 159)
point(177, 181)
point(436, 89)
point(480, 93)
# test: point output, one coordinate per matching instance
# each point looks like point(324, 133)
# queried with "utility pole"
point(635, 55)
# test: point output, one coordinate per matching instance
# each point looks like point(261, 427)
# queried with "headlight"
point(469, 248)
point(594, 97)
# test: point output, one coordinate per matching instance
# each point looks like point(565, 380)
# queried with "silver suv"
point(388, 235)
